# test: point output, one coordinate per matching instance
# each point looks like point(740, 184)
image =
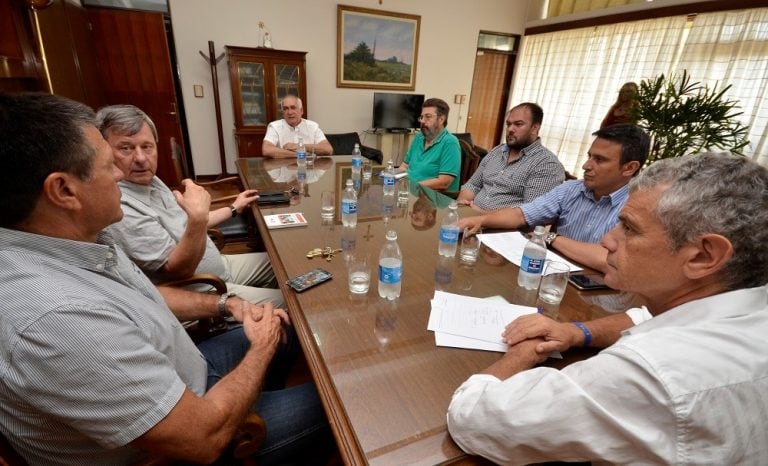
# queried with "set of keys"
point(326, 252)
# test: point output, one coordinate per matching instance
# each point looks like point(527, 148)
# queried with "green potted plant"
point(685, 117)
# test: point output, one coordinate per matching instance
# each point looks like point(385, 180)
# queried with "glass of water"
point(359, 275)
point(367, 168)
point(554, 280)
point(469, 246)
point(402, 190)
point(327, 204)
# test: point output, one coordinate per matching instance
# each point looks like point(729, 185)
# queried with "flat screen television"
point(396, 112)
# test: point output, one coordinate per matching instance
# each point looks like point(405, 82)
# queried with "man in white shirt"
point(282, 138)
point(687, 386)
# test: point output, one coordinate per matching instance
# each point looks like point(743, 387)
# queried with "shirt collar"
point(139, 191)
point(720, 306)
point(617, 197)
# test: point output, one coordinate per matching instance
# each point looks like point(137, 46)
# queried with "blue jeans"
point(297, 429)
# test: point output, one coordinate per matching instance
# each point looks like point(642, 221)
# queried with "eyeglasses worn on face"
point(427, 116)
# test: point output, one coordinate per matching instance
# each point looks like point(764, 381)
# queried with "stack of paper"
point(475, 323)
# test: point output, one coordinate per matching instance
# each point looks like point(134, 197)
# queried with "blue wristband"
point(585, 330)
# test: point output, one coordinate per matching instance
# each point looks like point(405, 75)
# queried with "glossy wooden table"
point(384, 384)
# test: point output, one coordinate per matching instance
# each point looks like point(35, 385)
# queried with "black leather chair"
point(467, 137)
point(343, 143)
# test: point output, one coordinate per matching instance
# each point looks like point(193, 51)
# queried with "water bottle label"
point(449, 235)
point(349, 207)
point(531, 265)
point(357, 162)
point(389, 180)
point(301, 155)
point(390, 275)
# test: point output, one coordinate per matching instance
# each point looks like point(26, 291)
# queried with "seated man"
point(282, 138)
point(687, 386)
point(434, 158)
point(516, 172)
point(584, 210)
point(165, 233)
point(96, 368)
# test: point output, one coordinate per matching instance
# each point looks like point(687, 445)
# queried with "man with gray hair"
point(95, 367)
point(165, 232)
point(282, 138)
point(683, 381)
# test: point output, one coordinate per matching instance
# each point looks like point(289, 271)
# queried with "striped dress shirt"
point(91, 358)
point(498, 183)
point(578, 215)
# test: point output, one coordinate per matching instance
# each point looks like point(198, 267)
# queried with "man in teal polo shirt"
point(434, 158)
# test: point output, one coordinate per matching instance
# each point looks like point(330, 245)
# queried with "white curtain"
point(575, 76)
point(732, 47)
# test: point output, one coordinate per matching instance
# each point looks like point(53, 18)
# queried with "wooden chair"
point(343, 143)
point(477, 150)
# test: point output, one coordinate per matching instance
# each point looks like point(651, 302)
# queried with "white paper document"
point(511, 245)
point(475, 323)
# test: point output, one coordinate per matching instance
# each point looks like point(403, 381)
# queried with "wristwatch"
point(549, 238)
point(234, 211)
point(222, 305)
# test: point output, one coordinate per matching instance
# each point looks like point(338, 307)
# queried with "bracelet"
point(222, 304)
point(585, 331)
point(233, 209)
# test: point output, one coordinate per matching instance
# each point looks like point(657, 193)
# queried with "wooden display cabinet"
point(259, 78)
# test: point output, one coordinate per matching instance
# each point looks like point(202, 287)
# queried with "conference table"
point(384, 383)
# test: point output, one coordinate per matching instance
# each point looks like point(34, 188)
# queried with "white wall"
point(445, 66)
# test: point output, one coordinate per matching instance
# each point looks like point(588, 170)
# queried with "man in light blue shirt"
point(582, 210)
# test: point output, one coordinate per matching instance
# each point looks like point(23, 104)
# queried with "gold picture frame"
point(376, 49)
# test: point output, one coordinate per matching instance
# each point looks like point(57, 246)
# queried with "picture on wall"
point(376, 49)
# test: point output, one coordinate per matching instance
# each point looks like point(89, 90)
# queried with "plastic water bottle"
point(388, 178)
point(390, 268)
point(301, 154)
point(357, 163)
point(349, 206)
point(534, 255)
point(449, 232)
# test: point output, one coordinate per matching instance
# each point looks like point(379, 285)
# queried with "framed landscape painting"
point(376, 49)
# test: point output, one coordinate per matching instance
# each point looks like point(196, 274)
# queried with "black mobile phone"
point(273, 197)
point(309, 279)
point(588, 282)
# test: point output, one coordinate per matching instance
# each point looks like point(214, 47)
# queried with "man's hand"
point(551, 335)
point(291, 146)
point(518, 358)
point(238, 307)
point(195, 201)
point(244, 199)
point(473, 223)
point(262, 327)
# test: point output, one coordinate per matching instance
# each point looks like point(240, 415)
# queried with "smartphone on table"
point(588, 282)
point(309, 279)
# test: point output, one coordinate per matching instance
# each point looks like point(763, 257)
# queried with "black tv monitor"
point(396, 112)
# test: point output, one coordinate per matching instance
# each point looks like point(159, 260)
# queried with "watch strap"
point(233, 209)
point(222, 304)
point(549, 238)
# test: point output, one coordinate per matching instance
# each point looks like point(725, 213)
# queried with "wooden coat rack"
point(213, 61)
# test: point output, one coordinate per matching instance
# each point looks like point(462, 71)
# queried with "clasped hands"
point(549, 335)
point(251, 316)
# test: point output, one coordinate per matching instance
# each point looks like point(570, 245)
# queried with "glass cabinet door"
point(287, 79)
point(251, 76)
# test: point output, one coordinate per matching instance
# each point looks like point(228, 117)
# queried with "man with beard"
point(516, 172)
point(434, 158)
point(582, 210)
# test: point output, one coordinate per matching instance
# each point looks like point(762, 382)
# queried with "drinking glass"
point(402, 190)
point(469, 246)
point(554, 279)
point(327, 204)
point(367, 168)
point(359, 275)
